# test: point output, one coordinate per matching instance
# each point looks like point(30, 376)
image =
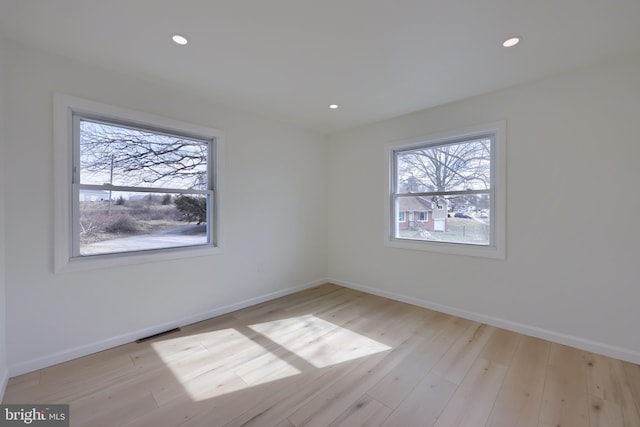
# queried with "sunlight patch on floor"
point(214, 363)
point(317, 341)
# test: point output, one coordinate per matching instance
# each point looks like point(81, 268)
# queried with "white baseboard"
point(3, 383)
point(556, 337)
point(84, 350)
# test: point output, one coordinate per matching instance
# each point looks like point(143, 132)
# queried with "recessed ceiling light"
point(510, 42)
point(178, 39)
point(334, 106)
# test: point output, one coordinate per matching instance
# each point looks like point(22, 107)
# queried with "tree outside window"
point(139, 188)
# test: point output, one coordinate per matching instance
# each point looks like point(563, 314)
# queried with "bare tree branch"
point(447, 167)
point(135, 157)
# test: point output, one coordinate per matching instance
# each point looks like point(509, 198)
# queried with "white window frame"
point(496, 249)
point(64, 108)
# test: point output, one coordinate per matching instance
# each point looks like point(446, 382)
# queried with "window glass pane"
point(451, 167)
point(123, 221)
point(452, 219)
point(118, 155)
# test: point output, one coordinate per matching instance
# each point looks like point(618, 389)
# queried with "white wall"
point(4, 372)
point(572, 270)
point(274, 214)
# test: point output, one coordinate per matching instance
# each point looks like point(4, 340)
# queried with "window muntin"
point(138, 188)
point(454, 180)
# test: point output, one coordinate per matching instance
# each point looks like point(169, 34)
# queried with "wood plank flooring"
point(331, 356)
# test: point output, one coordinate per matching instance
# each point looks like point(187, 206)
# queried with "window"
point(402, 216)
point(132, 187)
point(459, 178)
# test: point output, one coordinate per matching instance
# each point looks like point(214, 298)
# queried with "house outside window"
point(436, 177)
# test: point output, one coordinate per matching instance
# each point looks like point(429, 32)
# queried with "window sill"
point(131, 258)
point(447, 248)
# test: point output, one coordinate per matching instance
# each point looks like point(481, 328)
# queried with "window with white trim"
point(132, 185)
point(459, 177)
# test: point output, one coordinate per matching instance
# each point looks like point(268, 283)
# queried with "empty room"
point(319, 213)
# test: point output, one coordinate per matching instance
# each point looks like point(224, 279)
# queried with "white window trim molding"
point(63, 108)
point(498, 249)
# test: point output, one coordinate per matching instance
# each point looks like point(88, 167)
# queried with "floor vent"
point(150, 337)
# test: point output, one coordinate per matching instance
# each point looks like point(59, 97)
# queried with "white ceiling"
point(289, 59)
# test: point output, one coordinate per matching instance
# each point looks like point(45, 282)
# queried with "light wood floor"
point(331, 356)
